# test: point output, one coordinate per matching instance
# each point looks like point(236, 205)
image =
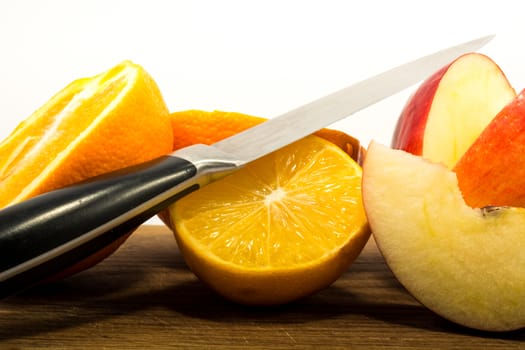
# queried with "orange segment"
point(93, 126)
point(279, 229)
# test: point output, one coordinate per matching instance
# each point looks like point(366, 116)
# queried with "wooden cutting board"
point(144, 297)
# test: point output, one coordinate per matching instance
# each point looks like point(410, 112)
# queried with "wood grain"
point(143, 296)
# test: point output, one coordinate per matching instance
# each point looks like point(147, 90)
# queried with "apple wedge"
point(465, 264)
point(451, 108)
point(492, 170)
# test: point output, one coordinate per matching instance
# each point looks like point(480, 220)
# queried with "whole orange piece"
point(195, 126)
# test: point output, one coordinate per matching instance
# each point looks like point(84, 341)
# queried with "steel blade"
point(295, 124)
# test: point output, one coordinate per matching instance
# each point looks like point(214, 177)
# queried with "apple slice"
point(465, 264)
point(451, 108)
point(492, 170)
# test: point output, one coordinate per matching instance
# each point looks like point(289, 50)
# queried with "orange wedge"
point(94, 125)
point(283, 227)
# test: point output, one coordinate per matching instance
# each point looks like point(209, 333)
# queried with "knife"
point(44, 235)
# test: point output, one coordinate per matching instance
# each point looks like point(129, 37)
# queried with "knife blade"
point(288, 127)
point(44, 235)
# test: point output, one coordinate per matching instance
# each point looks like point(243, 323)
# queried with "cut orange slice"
point(94, 125)
point(281, 228)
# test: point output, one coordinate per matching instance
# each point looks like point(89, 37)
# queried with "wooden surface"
point(144, 297)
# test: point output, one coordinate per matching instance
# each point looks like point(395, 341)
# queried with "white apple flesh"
point(450, 109)
point(465, 264)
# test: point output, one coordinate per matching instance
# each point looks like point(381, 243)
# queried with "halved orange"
point(94, 125)
point(280, 228)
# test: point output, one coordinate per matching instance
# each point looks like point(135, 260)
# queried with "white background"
point(256, 57)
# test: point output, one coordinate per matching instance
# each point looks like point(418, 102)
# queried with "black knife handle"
point(44, 235)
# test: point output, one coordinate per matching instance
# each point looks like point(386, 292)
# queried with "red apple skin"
point(410, 128)
point(492, 170)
